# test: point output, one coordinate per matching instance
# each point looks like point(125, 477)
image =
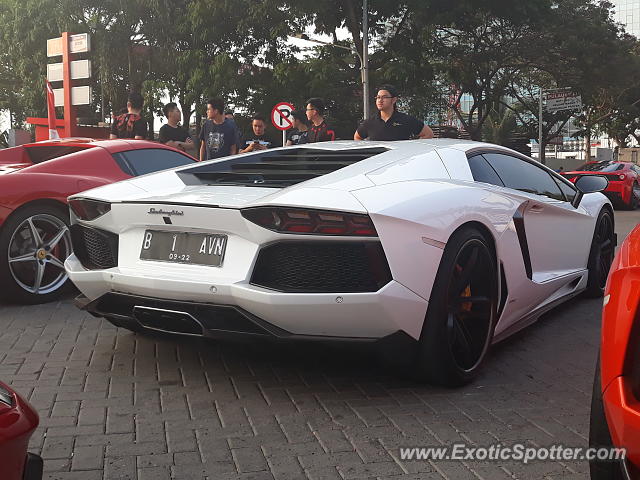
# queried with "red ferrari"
point(35, 181)
point(615, 405)
point(18, 420)
point(624, 181)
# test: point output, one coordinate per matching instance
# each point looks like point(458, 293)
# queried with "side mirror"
point(589, 184)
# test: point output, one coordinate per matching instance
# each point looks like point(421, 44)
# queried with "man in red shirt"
point(130, 124)
point(319, 131)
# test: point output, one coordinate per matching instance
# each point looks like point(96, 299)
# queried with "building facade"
point(627, 12)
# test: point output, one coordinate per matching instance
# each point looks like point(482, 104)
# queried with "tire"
point(599, 436)
point(456, 334)
point(34, 243)
point(601, 254)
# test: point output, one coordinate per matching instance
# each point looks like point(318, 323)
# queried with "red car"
point(18, 420)
point(35, 181)
point(624, 181)
point(615, 405)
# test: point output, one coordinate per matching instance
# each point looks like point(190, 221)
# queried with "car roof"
point(113, 146)
point(457, 143)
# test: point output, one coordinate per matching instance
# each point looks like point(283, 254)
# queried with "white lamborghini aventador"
point(436, 248)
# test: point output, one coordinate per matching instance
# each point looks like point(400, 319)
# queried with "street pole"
point(70, 120)
point(540, 152)
point(365, 59)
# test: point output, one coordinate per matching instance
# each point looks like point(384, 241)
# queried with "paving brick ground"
point(116, 405)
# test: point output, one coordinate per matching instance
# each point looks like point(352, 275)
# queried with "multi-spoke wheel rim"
point(37, 251)
point(472, 297)
point(635, 193)
point(605, 249)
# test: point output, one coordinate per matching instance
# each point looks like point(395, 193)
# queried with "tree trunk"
point(587, 140)
point(353, 24)
point(186, 109)
point(542, 155)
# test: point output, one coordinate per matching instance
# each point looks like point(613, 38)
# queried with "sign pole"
point(365, 59)
point(540, 152)
point(284, 138)
point(69, 109)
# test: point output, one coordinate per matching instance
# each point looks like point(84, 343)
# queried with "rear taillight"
point(86, 209)
point(312, 222)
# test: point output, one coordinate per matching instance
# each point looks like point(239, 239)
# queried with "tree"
point(499, 127)
point(587, 51)
point(624, 122)
point(23, 59)
point(524, 101)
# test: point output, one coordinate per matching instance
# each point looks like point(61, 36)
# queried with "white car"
point(435, 248)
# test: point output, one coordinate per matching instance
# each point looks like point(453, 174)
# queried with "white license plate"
point(181, 247)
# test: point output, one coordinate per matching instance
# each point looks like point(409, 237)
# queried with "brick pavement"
point(116, 405)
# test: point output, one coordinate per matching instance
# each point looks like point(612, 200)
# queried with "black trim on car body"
point(518, 221)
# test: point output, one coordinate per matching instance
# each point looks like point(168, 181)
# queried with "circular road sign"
point(281, 116)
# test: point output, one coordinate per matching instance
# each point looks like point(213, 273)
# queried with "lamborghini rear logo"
point(153, 211)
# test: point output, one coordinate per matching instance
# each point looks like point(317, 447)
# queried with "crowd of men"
point(220, 136)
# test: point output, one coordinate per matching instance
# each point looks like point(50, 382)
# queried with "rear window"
point(601, 167)
point(44, 153)
point(277, 169)
point(149, 160)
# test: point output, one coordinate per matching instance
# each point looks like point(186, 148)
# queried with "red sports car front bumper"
point(18, 420)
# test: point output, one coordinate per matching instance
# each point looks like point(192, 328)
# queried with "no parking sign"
point(281, 118)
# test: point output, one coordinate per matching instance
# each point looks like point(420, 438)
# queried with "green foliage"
point(499, 127)
point(497, 53)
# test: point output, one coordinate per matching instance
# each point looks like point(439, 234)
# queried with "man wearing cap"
point(389, 123)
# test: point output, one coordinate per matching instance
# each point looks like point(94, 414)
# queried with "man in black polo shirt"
point(389, 123)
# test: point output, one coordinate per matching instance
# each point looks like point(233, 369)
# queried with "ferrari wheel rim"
point(37, 250)
point(471, 298)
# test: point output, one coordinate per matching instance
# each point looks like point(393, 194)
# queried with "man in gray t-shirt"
point(218, 134)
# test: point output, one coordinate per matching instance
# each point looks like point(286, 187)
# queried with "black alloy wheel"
point(601, 255)
point(461, 316)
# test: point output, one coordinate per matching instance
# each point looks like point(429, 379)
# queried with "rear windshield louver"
point(277, 169)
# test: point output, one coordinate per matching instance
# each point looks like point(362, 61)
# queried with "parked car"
point(434, 247)
point(18, 420)
point(624, 180)
point(35, 181)
point(615, 407)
